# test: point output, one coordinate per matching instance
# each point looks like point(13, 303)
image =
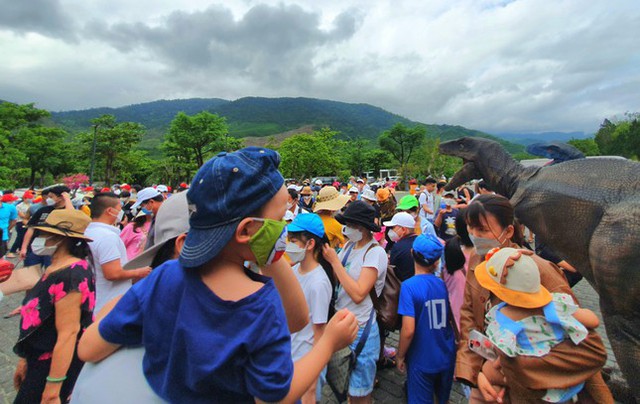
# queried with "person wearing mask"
point(150, 200)
point(56, 311)
point(8, 219)
point(24, 214)
point(426, 199)
point(293, 204)
point(445, 222)
point(134, 234)
point(491, 223)
point(328, 202)
point(402, 234)
point(360, 269)
point(410, 204)
point(108, 250)
point(369, 197)
point(306, 199)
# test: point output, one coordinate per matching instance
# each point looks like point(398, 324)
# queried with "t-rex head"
point(469, 150)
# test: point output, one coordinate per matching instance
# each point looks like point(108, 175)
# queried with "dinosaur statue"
point(588, 211)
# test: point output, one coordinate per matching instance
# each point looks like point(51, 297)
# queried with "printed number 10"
point(436, 321)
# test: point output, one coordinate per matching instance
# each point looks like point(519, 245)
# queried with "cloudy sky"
point(494, 65)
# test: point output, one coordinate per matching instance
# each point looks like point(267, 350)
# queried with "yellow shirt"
point(333, 230)
point(418, 229)
point(85, 209)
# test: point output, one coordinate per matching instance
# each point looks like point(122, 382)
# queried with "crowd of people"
point(240, 287)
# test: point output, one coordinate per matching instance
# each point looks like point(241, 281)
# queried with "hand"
point(330, 254)
point(66, 196)
point(401, 365)
point(142, 272)
point(341, 330)
point(51, 394)
point(20, 373)
point(23, 254)
point(511, 261)
point(487, 390)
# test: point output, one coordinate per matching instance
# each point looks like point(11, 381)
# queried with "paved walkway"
point(391, 382)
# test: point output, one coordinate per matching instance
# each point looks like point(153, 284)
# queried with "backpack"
point(386, 304)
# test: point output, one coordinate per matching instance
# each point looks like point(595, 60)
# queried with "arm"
point(67, 201)
point(565, 265)
point(438, 221)
point(92, 347)
point(587, 318)
point(25, 243)
point(406, 336)
point(293, 301)
point(113, 271)
point(357, 290)
point(12, 224)
point(67, 326)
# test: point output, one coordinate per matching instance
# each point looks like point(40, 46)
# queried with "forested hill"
point(259, 117)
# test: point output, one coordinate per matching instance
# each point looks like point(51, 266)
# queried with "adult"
point(293, 204)
point(24, 214)
point(360, 269)
point(134, 234)
point(306, 200)
point(402, 233)
point(369, 197)
point(55, 311)
point(426, 199)
point(354, 193)
point(328, 202)
point(108, 250)
point(164, 190)
point(8, 219)
point(150, 200)
point(491, 223)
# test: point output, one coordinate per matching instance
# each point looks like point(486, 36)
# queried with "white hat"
point(354, 189)
point(144, 195)
point(360, 180)
point(402, 219)
point(288, 216)
point(369, 195)
point(318, 182)
point(162, 188)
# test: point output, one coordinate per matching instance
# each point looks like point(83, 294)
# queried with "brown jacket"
point(567, 363)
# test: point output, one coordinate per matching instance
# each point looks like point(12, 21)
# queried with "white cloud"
point(526, 65)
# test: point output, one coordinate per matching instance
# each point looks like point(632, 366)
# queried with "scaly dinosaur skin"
point(588, 211)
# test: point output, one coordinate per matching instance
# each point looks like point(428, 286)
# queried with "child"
point(212, 330)
point(426, 338)
point(530, 321)
point(315, 274)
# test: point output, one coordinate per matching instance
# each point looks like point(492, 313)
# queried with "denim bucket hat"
point(225, 190)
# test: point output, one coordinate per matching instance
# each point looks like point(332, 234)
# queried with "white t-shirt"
point(317, 292)
point(106, 247)
point(375, 258)
point(426, 198)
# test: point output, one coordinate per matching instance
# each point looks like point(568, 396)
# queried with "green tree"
point(310, 154)
point(604, 136)
point(377, 159)
point(44, 149)
point(401, 142)
point(588, 147)
point(429, 161)
point(192, 138)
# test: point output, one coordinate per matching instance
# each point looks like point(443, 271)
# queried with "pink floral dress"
point(38, 334)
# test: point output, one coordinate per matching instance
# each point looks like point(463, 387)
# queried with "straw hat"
point(306, 191)
point(330, 199)
point(518, 285)
point(66, 222)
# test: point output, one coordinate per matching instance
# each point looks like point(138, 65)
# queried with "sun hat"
point(318, 182)
point(361, 213)
point(306, 191)
point(225, 190)
point(354, 190)
point(172, 220)
point(402, 219)
point(330, 199)
point(369, 195)
point(519, 285)
point(144, 195)
point(66, 222)
point(429, 246)
point(309, 222)
point(383, 194)
point(408, 202)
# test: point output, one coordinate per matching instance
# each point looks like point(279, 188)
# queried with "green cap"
point(408, 202)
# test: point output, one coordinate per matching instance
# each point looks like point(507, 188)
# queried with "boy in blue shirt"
point(426, 351)
point(212, 330)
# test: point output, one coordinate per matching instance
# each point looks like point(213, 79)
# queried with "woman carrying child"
point(491, 223)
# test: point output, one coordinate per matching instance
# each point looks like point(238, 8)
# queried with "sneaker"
point(11, 255)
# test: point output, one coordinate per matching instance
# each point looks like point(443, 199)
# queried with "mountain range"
point(255, 118)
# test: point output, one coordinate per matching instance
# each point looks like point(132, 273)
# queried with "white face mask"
point(38, 247)
point(289, 205)
point(393, 236)
point(295, 252)
point(50, 202)
point(352, 234)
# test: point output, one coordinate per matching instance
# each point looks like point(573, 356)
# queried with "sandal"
point(386, 363)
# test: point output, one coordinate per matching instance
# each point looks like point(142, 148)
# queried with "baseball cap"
point(354, 190)
point(226, 189)
point(402, 219)
point(408, 202)
point(360, 180)
point(27, 195)
point(318, 182)
point(162, 188)
point(309, 222)
point(172, 220)
point(429, 246)
point(144, 195)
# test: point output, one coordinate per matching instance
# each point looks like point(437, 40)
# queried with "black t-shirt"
point(401, 257)
point(447, 228)
point(38, 219)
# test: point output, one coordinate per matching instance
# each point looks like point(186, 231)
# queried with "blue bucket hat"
point(429, 246)
point(309, 222)
point(225, 190)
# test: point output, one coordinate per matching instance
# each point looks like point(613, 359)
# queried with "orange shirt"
point(333, 230)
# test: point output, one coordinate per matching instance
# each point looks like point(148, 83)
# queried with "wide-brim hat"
point(330, 199)
point(66, 222)
point(306, 190)
point(361, 213)
point(521, 286)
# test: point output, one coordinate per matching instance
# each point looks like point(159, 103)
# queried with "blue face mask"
point(146, 211)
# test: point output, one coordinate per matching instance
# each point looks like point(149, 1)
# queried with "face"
point(430, 187)
point(400, 231)
point(152, 205)
point(115, 211)
point(492, 229)
point(353, 196)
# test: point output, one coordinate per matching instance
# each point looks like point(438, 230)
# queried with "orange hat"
point(37, 200)
point(383, 194)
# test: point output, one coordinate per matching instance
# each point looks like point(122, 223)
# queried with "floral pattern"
point(30, 314)
point(87, 294)
point(57, 292)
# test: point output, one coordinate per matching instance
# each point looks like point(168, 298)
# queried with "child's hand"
point(341, 330)
point(401, 365)
point(488, 392)
point(330, 254)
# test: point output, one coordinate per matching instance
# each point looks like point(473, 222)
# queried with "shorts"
point(32, 259)
point(364, 374)
point(423, 386)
